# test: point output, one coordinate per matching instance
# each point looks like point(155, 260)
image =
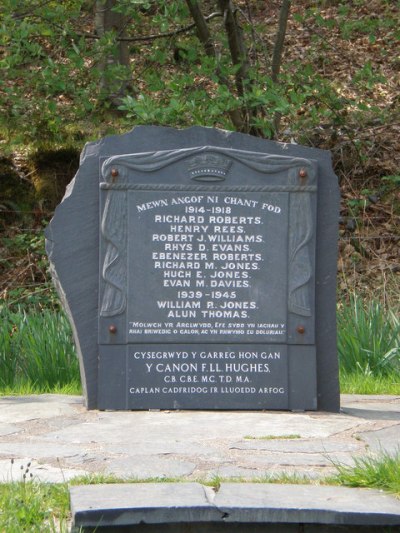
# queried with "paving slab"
point(234, 503)
point(41, 406)
point(59, 434)
point(249, 502)
point(384, 440)
point(36, 471)
point(142, 467)
point(40, 449)
point(162, 447)
point(155, 503)
point(9, 429)
point(201, 425)
point(298, 445)
point(288, 459)
point(372, 407)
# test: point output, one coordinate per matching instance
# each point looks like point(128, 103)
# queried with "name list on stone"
point(208, 264)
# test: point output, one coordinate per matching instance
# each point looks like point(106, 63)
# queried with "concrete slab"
point(163, 447)
point(299, 459)
point(234, 503)
point(386, 399)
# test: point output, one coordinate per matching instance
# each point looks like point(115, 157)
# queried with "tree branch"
point(204, 36)
point(144, 38)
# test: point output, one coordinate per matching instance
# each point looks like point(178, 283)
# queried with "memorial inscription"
point(210, 269)
point(207, 272)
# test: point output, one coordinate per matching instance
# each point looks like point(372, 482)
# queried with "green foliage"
point(39, 292)
point(41, 296)
point(55, 74)
point(45, 80)
point(23, 242)
point(369, 25)
point(349, 26)
point(392, 180)
point(382, 472)
point(368, 339)
point(37, 352)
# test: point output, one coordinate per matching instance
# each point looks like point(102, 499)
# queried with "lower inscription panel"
point(207, 376)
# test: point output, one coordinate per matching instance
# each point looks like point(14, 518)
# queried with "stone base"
point(235, 507)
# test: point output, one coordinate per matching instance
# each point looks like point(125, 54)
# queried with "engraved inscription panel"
point(208, 376)
point(207, 266)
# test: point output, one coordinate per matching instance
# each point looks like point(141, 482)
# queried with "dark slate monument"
point(198, 268)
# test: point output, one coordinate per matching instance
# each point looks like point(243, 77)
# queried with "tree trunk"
point(278, 51)
point(107, 20)
point(240, 58)
point(203, 31)
point(204, 35)
point(237, 46)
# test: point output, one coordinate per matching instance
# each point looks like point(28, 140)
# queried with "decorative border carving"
point(152, 161)
point(211, 188)
point(114, 271)
point(299, 257)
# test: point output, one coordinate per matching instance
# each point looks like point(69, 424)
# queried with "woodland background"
point(322, 73)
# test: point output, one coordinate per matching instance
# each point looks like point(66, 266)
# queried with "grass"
point(34, 507)
point(357, 383)
point(381, 472)
point(29, 505)
point(368, 348)
point(37, 353)
point(26, 388)
point(368, 339)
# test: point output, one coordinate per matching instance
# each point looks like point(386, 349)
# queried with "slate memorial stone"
point(198, 269)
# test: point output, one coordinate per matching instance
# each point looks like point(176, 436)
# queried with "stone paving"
point(62, 439)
